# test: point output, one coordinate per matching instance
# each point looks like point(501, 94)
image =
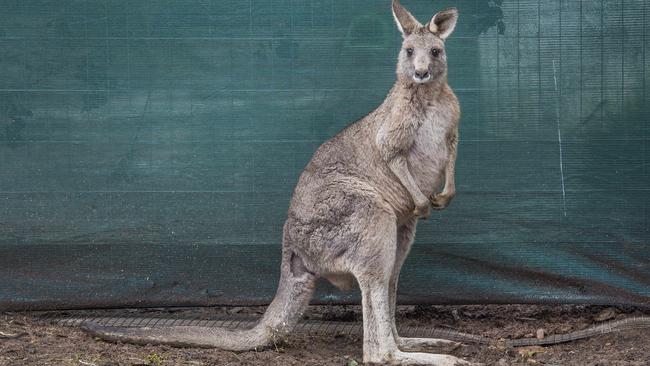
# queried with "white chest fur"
point(430, 152)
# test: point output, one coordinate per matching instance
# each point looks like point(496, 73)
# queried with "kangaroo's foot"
point(407, 358)
point(426, 345)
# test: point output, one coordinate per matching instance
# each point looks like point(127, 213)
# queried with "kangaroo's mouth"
point(420, 80)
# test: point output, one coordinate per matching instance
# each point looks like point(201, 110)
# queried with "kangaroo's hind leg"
point(405, 237)
point(372, 264)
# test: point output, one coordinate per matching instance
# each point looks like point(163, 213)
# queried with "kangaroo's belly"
point(429, 156)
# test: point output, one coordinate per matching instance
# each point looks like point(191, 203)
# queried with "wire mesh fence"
point(148, 150)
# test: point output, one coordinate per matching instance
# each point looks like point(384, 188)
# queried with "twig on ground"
point(12, 336)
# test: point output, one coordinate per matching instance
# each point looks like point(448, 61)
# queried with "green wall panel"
point(148, 149)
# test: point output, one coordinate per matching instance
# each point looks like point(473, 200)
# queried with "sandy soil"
point(39, 342)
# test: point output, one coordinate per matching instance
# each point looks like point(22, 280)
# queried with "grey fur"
point(354, 211)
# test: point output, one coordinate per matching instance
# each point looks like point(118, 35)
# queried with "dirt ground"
point(29, 339)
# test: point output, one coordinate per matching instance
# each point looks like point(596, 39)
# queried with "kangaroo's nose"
point(422, 74)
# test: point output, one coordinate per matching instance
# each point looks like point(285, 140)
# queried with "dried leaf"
point(530, 351)
point(352, 362)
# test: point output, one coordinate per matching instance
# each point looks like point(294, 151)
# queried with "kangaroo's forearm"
point(399, 167)
point(450, 169)
point(450, 176)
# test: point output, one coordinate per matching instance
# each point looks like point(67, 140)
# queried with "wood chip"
point(605, 315)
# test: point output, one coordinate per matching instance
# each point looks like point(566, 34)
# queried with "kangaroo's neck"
point(412, 97)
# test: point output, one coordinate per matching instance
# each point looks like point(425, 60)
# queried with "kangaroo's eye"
point(409, 52)
point(435, 52)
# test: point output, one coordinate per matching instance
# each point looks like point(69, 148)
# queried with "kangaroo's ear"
point(443, 23)
point(406, 22)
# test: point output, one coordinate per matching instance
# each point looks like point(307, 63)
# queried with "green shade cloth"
point(148, 149)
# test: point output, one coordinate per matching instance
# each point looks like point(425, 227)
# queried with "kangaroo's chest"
point(430, 152)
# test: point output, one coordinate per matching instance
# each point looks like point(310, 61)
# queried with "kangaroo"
point(354, 211)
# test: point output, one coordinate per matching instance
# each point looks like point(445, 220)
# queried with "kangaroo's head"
point(423, 58)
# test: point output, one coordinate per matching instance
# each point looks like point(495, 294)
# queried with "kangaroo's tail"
point(294, 292)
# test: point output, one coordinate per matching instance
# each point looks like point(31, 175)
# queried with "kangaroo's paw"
point(426, 345)
point(422, 211)
point(440, 201)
